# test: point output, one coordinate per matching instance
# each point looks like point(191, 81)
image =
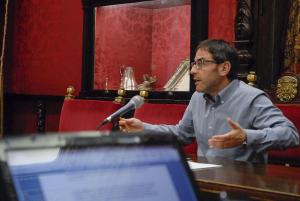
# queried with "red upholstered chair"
point(290, 156)
point(164, 114)
point(83, 115)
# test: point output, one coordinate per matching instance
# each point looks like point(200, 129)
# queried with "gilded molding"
point(292, 37)
point(287, 88)
point(182, 69)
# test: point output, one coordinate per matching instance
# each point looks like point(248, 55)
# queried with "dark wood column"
point(243, 37)
point(260, 27)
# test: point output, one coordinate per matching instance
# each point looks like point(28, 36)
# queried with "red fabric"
point(46, 47)
point(47, 44)
point(82, 115)
point(164, 114)
point(291, 155)
point(221, 19)
point(155, 42)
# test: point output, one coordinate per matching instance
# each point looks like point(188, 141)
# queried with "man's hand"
point(233, 138)
point(131, 125)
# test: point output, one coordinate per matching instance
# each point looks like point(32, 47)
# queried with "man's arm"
point(183, 129)
point(270, 129)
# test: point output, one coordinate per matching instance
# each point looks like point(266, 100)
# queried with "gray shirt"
point(265, 125)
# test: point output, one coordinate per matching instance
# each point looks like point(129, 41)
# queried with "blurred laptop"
point(91, 166)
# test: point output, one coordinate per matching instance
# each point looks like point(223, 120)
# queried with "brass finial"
point(144, 93)
point(252, 78)
point(120, 98)
point(70, 93)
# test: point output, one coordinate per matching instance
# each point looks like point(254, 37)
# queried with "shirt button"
point(222, 102)
point(210, 127)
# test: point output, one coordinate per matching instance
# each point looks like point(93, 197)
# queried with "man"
point(228, 117)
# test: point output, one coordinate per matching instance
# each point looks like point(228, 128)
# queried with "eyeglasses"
point(200, 63)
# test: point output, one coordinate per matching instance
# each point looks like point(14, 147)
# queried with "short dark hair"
point(222, 51)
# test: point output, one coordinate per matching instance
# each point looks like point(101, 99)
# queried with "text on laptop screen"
point(119, 173)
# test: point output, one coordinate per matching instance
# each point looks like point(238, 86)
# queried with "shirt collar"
point(209, 98)
point(224, 94)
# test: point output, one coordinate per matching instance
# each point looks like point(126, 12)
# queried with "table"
point(242, 180)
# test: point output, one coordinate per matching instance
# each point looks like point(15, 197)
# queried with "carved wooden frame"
point(243, 36)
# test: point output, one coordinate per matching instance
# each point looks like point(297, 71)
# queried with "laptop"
point(92, 166)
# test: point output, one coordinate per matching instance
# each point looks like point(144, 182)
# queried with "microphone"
point(134, 103)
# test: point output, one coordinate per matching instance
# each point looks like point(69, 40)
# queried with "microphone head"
point(137, 101)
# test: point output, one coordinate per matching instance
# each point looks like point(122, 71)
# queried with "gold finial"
point(144, 93)
point(252, 78)
point(120, 98)
point(70, 93)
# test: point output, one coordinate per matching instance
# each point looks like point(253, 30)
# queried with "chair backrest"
point(164, 114)
point(290, 156)
point(83, 115)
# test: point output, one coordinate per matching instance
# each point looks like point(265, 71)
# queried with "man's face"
point(207, 75)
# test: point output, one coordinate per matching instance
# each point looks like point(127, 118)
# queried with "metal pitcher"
point(128, 81)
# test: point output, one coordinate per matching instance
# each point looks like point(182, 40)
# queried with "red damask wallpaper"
point(221, 19)
point(47, 43)
point(152, 41)
point(123, 37)
point(46, 47)
point(170, 41)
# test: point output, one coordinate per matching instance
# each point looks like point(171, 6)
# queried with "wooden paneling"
point(269, 29)
point(26, 114)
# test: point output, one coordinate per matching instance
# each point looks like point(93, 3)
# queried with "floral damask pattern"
point(170, 41)
point(123, 38)
point(155, 42)
point(47, 44)
point(221, 19)
point(152, 41)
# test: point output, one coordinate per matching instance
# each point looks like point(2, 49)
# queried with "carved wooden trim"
point(243, 36)
point(41, 116)
point(287, 88)
point(292, 49)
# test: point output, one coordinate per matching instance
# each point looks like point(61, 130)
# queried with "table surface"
point(256, 180)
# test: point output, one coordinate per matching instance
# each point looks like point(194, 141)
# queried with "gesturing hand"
point(131, 125)
point(233, 138)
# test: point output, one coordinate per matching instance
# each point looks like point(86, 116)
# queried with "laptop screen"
point(114, 173)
